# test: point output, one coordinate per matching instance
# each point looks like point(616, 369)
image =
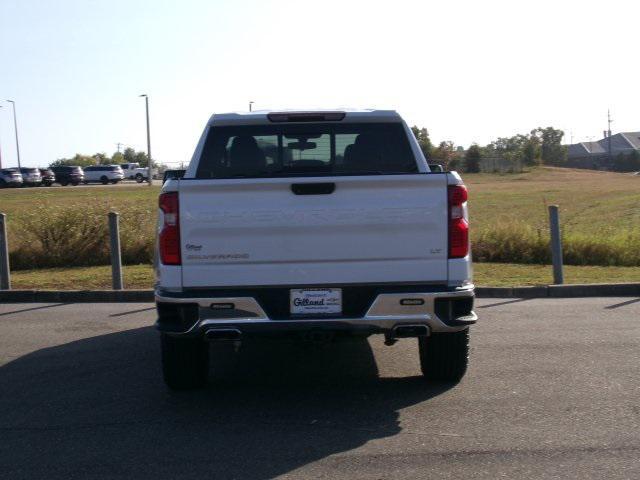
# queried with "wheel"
point(64, 183)
point(104, 180)
point(47, 184)
point(75, 184)
point(185, 362)
point(139, 178)
point(444, 356)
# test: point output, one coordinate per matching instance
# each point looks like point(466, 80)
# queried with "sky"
point(468, 71)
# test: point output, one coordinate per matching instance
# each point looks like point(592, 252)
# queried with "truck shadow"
point(97, 407)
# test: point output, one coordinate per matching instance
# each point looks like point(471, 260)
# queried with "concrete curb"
point(562, 291)
point(76, 296)
point(143, 296)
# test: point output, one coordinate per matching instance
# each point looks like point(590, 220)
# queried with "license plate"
point(313, 301)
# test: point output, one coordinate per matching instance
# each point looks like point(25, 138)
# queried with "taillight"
point(169, 240)
point(458, 224)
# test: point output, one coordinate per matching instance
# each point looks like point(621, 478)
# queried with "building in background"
point(596, 154)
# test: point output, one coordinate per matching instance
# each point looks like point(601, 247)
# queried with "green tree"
point(77, 160)
point(142, 159)
point(117, 158)
point(422, 136)
point(472, 159)
point(445, 154)
point(552, 152)
point(129, 155)
point(132, 156)
point(531, 149)
point(101, 159)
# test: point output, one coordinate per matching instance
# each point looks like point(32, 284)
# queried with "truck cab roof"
point(260, 117)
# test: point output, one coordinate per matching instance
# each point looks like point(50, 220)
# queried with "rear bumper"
point(190, 314)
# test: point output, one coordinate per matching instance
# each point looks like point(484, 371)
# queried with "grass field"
point(599, 213)
point(67, 226)
point(591, 202)
point(600, 216)
point(485, 274)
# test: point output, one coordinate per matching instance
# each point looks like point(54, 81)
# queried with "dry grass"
point(599, 213)
point(62, 227)
point(591, 202)
point(600, 217)
point(485, 274)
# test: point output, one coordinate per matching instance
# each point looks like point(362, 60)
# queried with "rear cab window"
point(299, 150)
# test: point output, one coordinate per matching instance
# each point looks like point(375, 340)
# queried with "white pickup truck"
point(312, 225)
point(133, 171)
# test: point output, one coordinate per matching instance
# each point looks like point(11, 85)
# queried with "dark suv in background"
point(48, 177)
point(68, 175)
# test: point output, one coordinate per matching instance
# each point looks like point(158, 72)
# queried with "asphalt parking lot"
point(553, 391)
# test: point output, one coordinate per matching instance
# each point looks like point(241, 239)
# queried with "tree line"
point(129, 155)
point(541, 146)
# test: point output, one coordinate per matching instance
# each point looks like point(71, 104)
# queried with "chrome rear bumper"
point(194, 315)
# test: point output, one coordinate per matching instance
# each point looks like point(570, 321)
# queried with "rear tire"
point(104, 180)
point(64, 183)
point(444, 356)
point(185, 362)
point(139, 178)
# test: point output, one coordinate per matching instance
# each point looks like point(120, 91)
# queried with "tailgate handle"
point(313, 188)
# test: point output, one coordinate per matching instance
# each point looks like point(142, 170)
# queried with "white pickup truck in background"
point(133, 171)
point(312, 225)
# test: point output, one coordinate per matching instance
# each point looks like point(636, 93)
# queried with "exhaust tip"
point(408, 331)
point(223, 334)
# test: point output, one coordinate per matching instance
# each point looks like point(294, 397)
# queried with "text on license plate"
point(307, 301)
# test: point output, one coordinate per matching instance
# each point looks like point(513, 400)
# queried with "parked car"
point(68, 175)
point(31, 177)
point(133, 171)
point(48, 177)
point(312, 225)
point(103, 173)
point(10, 177)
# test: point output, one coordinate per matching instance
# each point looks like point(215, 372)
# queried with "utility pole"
point(0, 149)
point(118, 145)
point(146, 102)
point(251, 105)
point(609, 133)
point(15, 126)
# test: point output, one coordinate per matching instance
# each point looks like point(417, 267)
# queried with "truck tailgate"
point(258, 232)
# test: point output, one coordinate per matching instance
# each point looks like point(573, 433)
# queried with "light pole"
point(146, 102)
point(15, 126)
point(250, 106)
point(0, 149)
